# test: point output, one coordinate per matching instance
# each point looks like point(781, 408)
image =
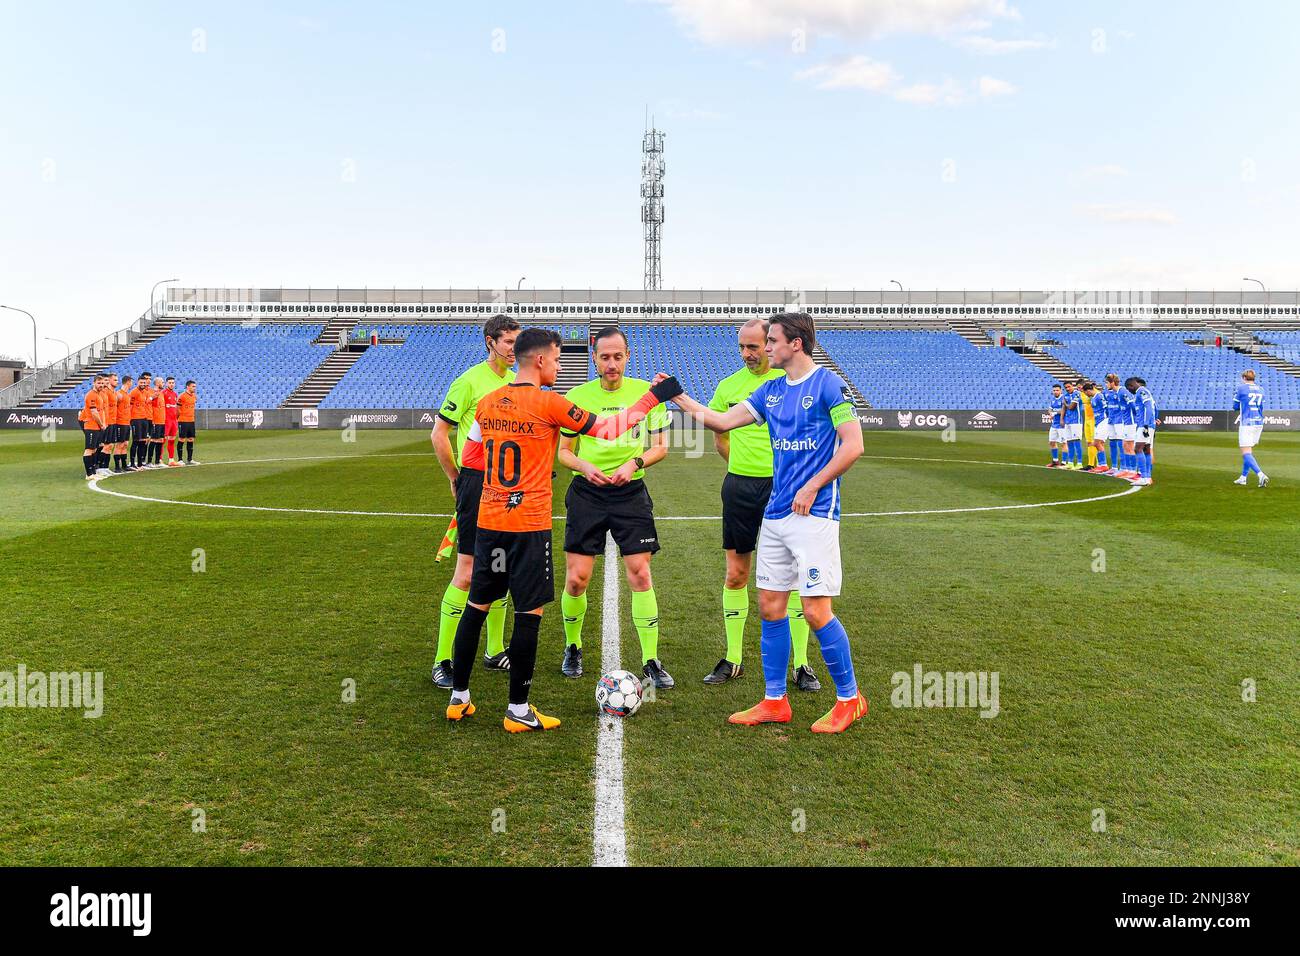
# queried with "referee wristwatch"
point(639, 462)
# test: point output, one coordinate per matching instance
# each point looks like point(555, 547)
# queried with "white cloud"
point(857, 72)
point(1112, 212)
point(863, 73)
point(750, 21)
point(989, 86)
point(988, 46)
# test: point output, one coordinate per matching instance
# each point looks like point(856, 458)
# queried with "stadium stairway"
point(325, 376)
point(823, 358)
point(1257, 354)
point(157, 330)
point(1246, 342)
point(1050, 364)
point(336, 330)
point(575, 366)
point(970, 330)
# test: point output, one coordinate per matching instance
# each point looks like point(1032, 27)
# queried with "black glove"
point(667, 390)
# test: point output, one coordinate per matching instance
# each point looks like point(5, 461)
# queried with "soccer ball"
point(618, 693)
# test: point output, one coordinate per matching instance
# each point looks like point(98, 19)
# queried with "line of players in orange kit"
point(127, 425)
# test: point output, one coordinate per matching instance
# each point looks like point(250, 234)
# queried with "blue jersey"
point(802, 418)
point(1072, 408)
point(1055, 406)
point(1114, 407)
point(1144, 412)
point(1098, 408)
point(1127, 407)
point(1250, 402)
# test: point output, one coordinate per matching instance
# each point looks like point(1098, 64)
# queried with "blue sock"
point(1130, 461)
point(839, 661)
point(1056, 454)
point(1144, 465)
point(1116, 449)
point(1101, 458)
point(1076, 451)
point(1248, 462)
point(774, 643)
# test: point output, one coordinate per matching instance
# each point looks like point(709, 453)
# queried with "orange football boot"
point(460, 711)
point(765, 712)
point(841, 716)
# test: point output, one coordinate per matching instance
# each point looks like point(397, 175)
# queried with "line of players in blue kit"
point(1125, 419)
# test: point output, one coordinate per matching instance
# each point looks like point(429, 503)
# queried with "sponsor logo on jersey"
point(514, 500)
point(773, 400)
point(798, 444)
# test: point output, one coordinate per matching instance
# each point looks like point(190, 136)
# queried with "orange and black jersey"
point(518, 429)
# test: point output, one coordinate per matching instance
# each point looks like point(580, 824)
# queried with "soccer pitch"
point(1126, 632)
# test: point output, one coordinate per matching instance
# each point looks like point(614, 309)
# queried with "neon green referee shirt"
point(463, 397)
point(610, 456)
point(751, 446)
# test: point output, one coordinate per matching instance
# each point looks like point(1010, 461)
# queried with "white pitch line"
point(94, 486)
point(608, 832)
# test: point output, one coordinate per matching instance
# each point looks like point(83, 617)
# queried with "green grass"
point(1119, 690)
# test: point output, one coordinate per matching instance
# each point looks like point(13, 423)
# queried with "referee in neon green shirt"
point(748, 454)
point(607, 494)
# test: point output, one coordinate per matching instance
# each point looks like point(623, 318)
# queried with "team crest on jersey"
point(814, 575)
point(807, 402)
point(514, 499)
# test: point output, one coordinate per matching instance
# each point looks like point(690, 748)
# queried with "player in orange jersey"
point(92, 426)
point(141, 418)
point(158, 422)
point(185, 403)
point(122, 424)
point(513, 439)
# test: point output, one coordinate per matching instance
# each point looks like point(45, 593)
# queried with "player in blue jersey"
point(816, 438)
point(1072, 418)
point(1128, 416)
point(1249, 404)
point(1055, 433)
point(1100, 428)
point(1144, 424)
point(1115, 420)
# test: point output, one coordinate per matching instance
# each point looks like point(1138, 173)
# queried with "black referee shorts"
point(469, 489)
point(627, 513)
point(743, 501)
point(517, 563)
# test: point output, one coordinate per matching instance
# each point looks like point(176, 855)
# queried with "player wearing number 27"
point(816, 438)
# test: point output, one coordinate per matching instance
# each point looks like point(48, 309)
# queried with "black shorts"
point(627, 513)
point(185, 429)
point(469, 489)
point(94, 438)
point(140, 428)
point(743, 502)
point(514, 562)
point(156, 431)
point(123, 433)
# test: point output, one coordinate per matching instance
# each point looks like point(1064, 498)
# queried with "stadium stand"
point(235, 366)
point(413, 370)
point(934, 369)
point(1180, 375)
point(1285, 345)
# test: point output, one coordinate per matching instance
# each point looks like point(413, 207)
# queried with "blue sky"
point(810, 143)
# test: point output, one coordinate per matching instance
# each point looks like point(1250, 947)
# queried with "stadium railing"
point(55, 372)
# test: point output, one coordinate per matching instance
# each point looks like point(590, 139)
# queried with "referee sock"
point(645, 618)
point(775, 645)
point(574, 609)
point(465, 648)
point(798, 631)
point(496, 627)
point(453, 606)
point(735, 611)
point(839, 660)
point(523, 655)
